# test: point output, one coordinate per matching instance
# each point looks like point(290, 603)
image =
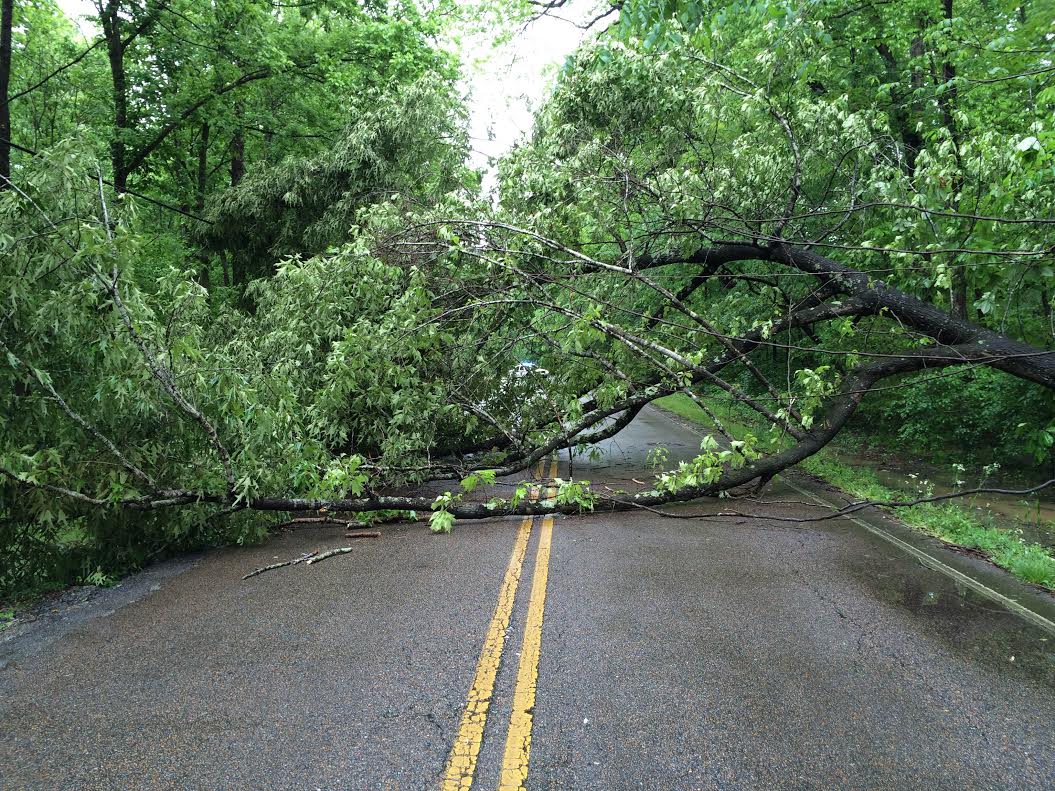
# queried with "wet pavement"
point(697, 653)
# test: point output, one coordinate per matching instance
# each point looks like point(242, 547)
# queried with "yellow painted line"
point(461, 764)
point(518, 740)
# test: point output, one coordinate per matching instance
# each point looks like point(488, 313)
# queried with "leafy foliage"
point(250, 268)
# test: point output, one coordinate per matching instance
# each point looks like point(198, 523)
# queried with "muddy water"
point(1033, 515)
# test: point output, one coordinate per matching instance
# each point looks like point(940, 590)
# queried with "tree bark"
point(203, 167)
point(912, 139)
point(199, 195)
point(958, 276)
point(238, 272)
point(6, 21)
point(110, 19)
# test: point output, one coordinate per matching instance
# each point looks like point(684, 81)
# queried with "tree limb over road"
point(708, 205)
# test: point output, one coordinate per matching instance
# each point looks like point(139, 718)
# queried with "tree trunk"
point(913, 140)
point(115, 51)
point(958, 279)
point(237, 172)
point(237, 156)
point(6, 16)
point(199, 196)
point(958, 293)
point(203, 167)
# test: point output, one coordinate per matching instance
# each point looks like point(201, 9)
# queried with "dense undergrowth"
point(977, 417)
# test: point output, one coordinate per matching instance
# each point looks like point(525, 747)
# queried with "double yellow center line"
point(461, 764)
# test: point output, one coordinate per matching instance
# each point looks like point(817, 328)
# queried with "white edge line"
point(928, 560)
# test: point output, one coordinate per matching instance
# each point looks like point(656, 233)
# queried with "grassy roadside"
point(949, 522)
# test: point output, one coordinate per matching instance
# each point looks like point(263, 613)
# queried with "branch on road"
point(315, 556)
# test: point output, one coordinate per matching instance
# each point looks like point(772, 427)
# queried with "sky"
point(509, 84)
point(505, 84)
point(75, 9)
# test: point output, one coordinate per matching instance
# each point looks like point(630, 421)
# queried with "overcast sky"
point(509, 85)
point(505, 84)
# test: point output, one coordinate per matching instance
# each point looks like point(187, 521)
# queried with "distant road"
point(596, 652)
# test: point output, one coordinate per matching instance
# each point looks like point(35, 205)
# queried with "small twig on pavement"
point(329, 553)
point(315, 556)
point(317, 520)
point(307, 556)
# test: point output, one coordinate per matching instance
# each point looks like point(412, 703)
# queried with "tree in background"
point(719, 199)
point(6, 22)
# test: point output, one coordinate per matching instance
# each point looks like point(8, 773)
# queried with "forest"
point(248, 267)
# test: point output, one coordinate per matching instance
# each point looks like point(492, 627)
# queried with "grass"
point(685, 407)
point(949, 522)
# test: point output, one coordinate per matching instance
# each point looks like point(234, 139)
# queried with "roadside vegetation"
point(960, 523)
point(248, 269)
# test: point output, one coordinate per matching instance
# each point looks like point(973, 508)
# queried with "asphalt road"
point(696, 653)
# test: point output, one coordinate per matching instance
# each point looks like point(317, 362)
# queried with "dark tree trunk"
point(958, 293)
point(958, 284)
point(203, 167)
point(912, 139)
point(6, 16)
point(238, 274)
point(948, 73)
point(115, 51)
point(901, 113)
point(237, 156)
point(199, 196)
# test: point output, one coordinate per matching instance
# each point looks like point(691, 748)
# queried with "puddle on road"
point(969, 623)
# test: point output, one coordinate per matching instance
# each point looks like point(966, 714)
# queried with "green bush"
point(976, 415)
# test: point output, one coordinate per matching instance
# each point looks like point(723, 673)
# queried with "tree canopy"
point(247, 265)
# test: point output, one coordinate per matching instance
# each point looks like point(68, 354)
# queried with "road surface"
point(597, 652)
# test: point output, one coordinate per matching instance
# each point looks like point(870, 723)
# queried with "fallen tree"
point(664, 370)
point(668, 229)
